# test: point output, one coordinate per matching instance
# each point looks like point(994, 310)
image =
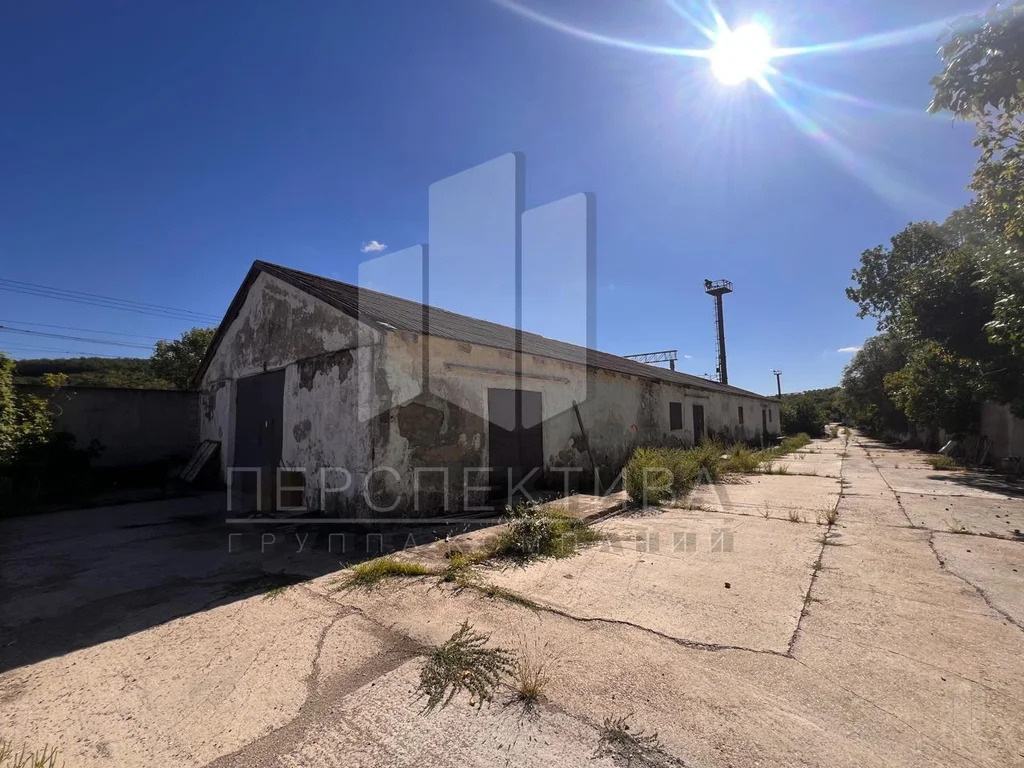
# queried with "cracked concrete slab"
point(968, 514)
point(383, 724)
point(723, 580)
point(774, 494)
point(907, 650)
point(994, 566)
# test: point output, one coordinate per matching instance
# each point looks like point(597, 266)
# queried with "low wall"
point(134, 426)
point(1004, 429)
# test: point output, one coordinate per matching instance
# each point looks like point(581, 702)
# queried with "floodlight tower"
point(718, 288)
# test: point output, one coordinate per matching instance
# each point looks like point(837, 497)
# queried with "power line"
point(50, 350)
point(86, 330)
point(146, 304)
point(110, 342)
point(107, 302)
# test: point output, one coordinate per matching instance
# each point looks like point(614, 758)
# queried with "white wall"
point(328, 380)
point(619, 411)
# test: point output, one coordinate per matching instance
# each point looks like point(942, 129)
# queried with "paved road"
point(740, 626)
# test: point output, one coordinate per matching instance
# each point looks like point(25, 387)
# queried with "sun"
point(741, 54)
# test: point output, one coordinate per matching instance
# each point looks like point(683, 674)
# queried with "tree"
point(809, 411)
point(883, 272)
point(937, 389)
point(983, 81)
point(864, 392)
point(178, 361)
point(25, 420)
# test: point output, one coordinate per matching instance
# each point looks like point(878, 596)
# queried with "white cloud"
point(848, 350)
point(373, 246)
point(688, 357)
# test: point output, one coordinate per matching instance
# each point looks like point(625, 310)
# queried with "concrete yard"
point(729, 624)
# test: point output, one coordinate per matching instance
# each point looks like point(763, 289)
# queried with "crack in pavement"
point(981, 592)
point(939, 559)
point(804, 609)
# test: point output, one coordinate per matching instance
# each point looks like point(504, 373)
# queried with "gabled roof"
point(386, 312)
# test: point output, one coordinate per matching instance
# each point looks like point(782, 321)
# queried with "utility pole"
point(778, 381)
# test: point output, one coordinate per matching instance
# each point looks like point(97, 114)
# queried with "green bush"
point(803, 412)
point(654, 475)
point(531, 532)
point(794, 443)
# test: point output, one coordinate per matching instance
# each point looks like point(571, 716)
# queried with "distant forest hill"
point(126, 372)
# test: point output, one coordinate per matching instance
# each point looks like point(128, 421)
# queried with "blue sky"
point(151, 151)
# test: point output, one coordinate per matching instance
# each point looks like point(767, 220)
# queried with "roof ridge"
point(634, 368)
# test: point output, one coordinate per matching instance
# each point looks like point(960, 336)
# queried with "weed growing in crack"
point(766, 513)
point(495, 592)
point(794, 516)
point(628, 748)
point(531, 533)
point(372, 572)
point(957, 527)
point(531, 673)
point(459, 568)
point(463, 662)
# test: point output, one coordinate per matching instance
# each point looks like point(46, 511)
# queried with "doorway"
point(259, 409)
point(515, 438)
point(698, 423)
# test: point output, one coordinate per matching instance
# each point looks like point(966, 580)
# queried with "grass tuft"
point(463, 662)
point(495, 592)
point(458, 570)
point(794, 516)
point(372, 572)
point(531, 674)
point(628, 748)
point(946, 463)
point(957, 527)
point(24, 758)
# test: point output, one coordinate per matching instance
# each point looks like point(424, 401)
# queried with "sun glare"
point(741, 54)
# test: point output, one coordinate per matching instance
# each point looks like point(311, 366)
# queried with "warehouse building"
point(361, 403)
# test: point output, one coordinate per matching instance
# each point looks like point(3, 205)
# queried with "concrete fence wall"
point(134, 426)
point(1004, 429)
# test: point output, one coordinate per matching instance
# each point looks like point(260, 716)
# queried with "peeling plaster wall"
point(447, 426)
point(328, 361)
point(322, 430)
point(355, 399)
point(216, 411)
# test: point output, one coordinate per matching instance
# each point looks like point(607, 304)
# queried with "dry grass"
point(531, 673)
point(25, 758)
point(794, 516)
point(955, 526)
point(628, 748)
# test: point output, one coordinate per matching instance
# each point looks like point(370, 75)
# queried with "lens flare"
point(741, 54)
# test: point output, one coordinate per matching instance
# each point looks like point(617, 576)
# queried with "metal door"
point(515, 436)
point(259, 409)
point(698, 423)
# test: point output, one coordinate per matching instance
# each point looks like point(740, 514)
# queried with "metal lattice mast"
point(717, 289)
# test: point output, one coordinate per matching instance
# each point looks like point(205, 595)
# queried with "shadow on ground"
point(79, 578)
